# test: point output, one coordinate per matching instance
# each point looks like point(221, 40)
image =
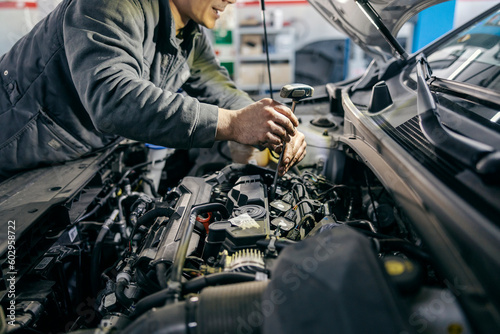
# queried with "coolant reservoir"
point(322, 133)
point(246, 154)
point(160, 154)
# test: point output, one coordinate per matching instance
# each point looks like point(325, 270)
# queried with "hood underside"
point(347, 16)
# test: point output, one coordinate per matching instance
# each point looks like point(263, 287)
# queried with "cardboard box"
point(251, 45)
point(281, 73)
point(256, 74)
point(252, 74)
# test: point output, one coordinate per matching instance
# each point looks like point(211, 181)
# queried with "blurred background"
point(297, 34)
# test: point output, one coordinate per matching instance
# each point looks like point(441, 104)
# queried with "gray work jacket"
point(93, 71)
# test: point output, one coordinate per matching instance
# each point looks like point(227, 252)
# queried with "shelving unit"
point(250, 66)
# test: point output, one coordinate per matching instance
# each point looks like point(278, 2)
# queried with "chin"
point(209, 25)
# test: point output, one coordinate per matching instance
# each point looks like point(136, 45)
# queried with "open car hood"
point(347, 16)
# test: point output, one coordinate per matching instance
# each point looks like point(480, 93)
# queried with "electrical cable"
point(96, 252)
point(304, 219)
point(142, 164)
point(97, 207)
point(372, 200)
point(305, 201)
point(112, 191)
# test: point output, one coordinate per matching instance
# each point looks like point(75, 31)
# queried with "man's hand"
point(295, 151)
point(266, 123)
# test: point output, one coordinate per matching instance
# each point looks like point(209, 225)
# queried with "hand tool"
point(296, 92)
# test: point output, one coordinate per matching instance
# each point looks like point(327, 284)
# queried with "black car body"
point(389, 225)
point(429, 138)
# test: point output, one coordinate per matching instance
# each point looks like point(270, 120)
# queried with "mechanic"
point(95, 71)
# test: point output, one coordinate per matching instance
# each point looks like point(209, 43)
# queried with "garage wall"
point(310, 26)
point(18, 17)
point(14, 23)
point(467, 9)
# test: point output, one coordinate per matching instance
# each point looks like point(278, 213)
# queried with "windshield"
point(473, 56)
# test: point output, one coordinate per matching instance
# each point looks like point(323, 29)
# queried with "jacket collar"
point(167, 24)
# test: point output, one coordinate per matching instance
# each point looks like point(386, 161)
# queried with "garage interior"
point(382, 227)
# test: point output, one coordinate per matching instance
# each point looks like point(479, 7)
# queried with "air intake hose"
point(233, 308)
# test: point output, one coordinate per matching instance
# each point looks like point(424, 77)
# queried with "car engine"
point(214, 250)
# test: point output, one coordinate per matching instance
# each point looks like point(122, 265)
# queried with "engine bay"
point(219, 252)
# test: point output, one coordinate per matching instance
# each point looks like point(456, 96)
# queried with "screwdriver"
point(296, 92)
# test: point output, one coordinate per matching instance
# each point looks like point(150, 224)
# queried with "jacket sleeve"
point(210, 82)
point(103, 43)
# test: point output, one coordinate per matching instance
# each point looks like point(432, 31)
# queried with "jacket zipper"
point(178, 64)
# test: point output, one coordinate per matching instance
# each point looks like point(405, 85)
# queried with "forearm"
point(224, 128)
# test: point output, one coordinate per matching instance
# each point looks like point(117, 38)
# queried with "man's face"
point(204, 12)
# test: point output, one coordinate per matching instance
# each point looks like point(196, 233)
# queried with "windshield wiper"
point(484, 96)
point(481, 158)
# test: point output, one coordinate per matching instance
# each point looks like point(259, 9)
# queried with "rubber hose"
point(405, 247)
point(197, 284)
point(121, 285)
point(151, 185)
point(149, 217)
point(146, 283)
point(96, 260)
point(158, 299)
point(233, 308)
point(161, 274)
point(364, 224)
point(169, 319)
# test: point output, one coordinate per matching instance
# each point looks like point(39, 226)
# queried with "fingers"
point(298, 156)
point(287, 112)
point(284, 167)
point(284, 121)
point(279, 132)
point(294, 153)
point(265, 122)
point(270, 141)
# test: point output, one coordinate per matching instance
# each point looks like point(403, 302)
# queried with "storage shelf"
point(250, 67)
point(272, 57)
point(259, 30)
